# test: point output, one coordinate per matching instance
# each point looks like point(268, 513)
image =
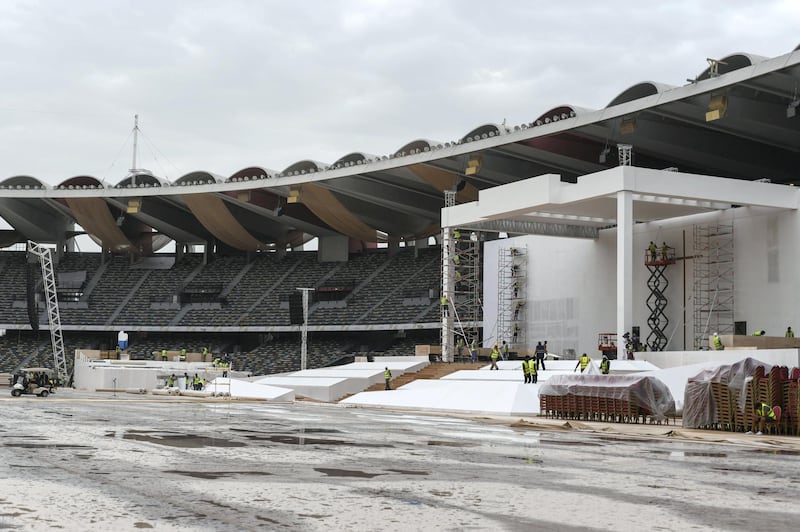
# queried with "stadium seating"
point(376, 289)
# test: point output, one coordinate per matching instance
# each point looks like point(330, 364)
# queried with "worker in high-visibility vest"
point(525, 371)
point(387, 376)
point(533, 369)
point(494, 356)
point(605, 365)
point(763, 414)
point(718, 343)
point(583, 362)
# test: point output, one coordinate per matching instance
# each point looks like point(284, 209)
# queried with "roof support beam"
point(535, 228)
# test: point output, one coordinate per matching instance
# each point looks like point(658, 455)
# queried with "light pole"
point(304, 330)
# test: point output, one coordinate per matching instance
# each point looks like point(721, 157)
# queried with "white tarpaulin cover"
point(699, 409)
point(648, 393)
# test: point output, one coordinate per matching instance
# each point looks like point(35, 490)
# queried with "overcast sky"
point(220, 86)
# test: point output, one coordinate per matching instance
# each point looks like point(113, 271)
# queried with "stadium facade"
point(720, 151)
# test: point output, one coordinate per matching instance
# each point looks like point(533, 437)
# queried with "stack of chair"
point(790, 406)
point(722, 404)
point(775, 395)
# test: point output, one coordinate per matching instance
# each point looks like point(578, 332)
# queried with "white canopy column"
point(624, 265)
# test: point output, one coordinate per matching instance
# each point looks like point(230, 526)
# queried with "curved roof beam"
point(94, 215)
point(214, 215)
point(82, 181)
point(142, 179)
point(562, 112)
point(416, 146)
point(640, 90)
point(199, 178)
point(252, 173)
point(730, 63)
point(306, 166)
point(327, 207)
point(442, 180)
point(23, 181)
point(351, 159)
point(483, 132)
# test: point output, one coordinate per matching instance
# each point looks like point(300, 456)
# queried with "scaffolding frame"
point(713, 290)
point(45, 259)
point(512, 273)
point(462, 286)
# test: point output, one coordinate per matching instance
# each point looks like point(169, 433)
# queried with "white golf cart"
point(32, 381)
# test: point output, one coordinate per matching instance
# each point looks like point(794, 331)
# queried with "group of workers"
point(717, 345)
point(653, 250)
point(585, 360)
point(194, 383)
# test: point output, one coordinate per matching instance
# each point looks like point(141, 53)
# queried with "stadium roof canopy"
point(735, 119)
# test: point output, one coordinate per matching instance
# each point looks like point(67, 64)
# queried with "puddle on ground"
point(302, 440)
point(47, 446)
point(623, 440)
point(569, 443)
point(682, 454)
point(188, 441)
point(785, 452)
point(211, 475)
point(439, 443)
point(345, 473)
point(738, 469)
point(407, 472)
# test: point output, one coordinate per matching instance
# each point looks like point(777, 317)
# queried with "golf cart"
point(33, 381)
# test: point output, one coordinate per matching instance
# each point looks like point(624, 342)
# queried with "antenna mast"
point(135, 141)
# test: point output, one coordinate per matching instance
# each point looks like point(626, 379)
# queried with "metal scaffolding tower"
point(656, 261)
point(45, 259)
point(713, 282)
point(468, 284)
point(512, 273)
point(465, 300)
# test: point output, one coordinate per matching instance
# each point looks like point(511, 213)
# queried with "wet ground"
point(77, 461)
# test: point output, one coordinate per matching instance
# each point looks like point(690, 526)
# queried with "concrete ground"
point(89, 461)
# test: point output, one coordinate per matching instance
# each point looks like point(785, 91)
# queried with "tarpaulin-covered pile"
point(712, 394)
point(646, 393)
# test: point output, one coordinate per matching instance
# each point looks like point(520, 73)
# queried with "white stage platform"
point(503, 392)
point(484, 397)
point(330, 384)
point(326, 389)
point(371, 376)
point(248, 390)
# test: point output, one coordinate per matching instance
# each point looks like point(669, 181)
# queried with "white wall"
point(571, 282)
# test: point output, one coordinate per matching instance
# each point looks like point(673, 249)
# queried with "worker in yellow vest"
point(533, 369)
point(583, 362)
point(763, 414)
point(718, 343)
point(605, 365)
point(525, 371)
point(387, 376)
point(494, 356)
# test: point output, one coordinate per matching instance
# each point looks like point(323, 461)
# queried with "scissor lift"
point(656, 262)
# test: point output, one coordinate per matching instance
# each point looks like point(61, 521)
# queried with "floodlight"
point(717, 107)
point(628, 125)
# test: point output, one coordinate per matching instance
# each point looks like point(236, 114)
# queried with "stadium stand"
point(109, 293)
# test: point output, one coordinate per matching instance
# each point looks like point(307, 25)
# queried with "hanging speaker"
point(296, 309)
point(33, 312)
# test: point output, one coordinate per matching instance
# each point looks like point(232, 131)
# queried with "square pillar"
point(624, 266)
